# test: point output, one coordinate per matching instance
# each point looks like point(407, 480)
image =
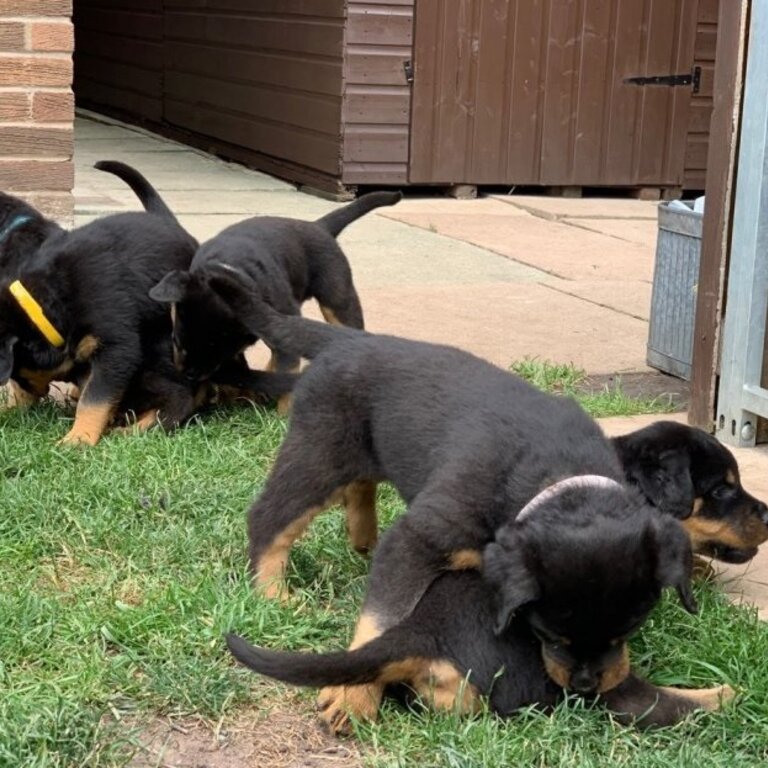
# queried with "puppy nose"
point(583, 681)
point(761, 510)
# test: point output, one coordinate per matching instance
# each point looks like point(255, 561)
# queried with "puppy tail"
point(146, 193)
point(337, 220)
point(395, 656)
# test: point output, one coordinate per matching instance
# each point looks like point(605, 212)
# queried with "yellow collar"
point(35, 313)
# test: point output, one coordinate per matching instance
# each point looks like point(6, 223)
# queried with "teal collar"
point(19, 221)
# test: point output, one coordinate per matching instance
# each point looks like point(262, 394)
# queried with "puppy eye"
point(723, 491)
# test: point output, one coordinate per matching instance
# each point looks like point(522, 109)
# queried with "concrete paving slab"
point(631, 297)
point(504, 322)
point(448, 205)
point(641, 231)
point(553, 247)
point(583, 207)
point(743, 583)
point(103, 146)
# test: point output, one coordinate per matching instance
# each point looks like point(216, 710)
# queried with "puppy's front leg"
point(636, 701)
point(111, 372)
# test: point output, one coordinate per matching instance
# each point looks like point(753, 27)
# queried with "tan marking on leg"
point(270, 571)
point(90, 422)
point(466, 560)
point(615, 674)
point(445, 688)
point(86, 348)
point(284, 403)
point(338, 704)
point(18, 397)
point(144, 422)
point(329, 315)
point(360, 505)
point(709, 699)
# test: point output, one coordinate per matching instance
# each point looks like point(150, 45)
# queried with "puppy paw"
point(339, 705)
point(78, 438)
point(714, 698)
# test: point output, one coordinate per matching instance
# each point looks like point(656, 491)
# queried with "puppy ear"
point(675, 560)
point(666, 482)
point(504, 569)
point(172, 288)
point(6, 359)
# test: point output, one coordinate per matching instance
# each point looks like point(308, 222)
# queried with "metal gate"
point(539, 91)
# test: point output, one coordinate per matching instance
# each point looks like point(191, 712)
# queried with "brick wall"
point(37, 104)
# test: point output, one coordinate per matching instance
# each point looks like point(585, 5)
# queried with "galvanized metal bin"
point(673, 301)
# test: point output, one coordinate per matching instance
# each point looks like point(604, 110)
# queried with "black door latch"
point(408, 69)
point(694, 79)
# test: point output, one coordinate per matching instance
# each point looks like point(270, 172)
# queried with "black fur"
point(467, 445)
point(453, 622)
point(675, 465)
point(286, 260)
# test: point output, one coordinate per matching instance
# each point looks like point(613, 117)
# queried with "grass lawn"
point(122, 566)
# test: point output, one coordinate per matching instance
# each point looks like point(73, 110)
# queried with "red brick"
point(52, 36)
point(36, 7)
point(53, 106)
point(11, 36)
point(33, 141)
point(36, 70)
point(34, 175)
point(15, 107)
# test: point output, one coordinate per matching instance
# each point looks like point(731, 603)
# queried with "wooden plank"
point(700, 116)
point(257, 101)
point(376, 105)
point(375, 143)
point(706, 43)
point(372, 65)
point(696, 150)
point(709, 10)
point(123, 49)
point(385, 26)
point(375, 173)
point(317, 8)
point(729, 75)
point(120, 23)
point(125, 103)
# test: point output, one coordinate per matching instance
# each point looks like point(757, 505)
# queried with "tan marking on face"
point(702, 530)
point(330, 316)
point(360, 507)
point(445, 688)
point(709, 699)
point(86, 348)
point(18, 397)
point(616, 673)
point(91, 419)
point(557, 671)
point(270, 570)
point(338, 704)
point(466, 560)
point(698, 504)
point(40, 380)
point(730, 477)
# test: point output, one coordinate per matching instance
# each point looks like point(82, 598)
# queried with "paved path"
point(504, 277)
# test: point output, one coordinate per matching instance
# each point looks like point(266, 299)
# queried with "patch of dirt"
point(277, 739)
point(642, 385)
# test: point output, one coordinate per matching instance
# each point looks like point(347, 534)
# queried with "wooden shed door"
point(534, 91)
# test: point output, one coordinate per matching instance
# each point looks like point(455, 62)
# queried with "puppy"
point(79, 307)
point(467, 446)
point(289, 261)
point(448, 654)
point(689, 474)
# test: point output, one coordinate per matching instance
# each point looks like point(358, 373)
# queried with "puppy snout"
point(584, 681)
point(761, 510)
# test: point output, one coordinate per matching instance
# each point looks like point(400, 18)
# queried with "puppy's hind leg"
point(360, 505)
point(302, 483)
point(280, 362)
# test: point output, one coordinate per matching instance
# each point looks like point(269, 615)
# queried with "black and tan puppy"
point(688, 473)
point(287, 260)
point(467, 446)
point(82, 299)
point(448, 654)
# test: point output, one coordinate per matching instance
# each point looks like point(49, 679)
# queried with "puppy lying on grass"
point(468, 446)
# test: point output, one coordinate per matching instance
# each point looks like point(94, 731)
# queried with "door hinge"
point(408, 69)
point(694, 79)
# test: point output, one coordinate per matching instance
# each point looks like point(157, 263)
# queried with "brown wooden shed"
point(341, 93)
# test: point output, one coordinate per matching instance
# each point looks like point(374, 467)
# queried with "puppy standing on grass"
point(288, 262)
point(467, 446)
